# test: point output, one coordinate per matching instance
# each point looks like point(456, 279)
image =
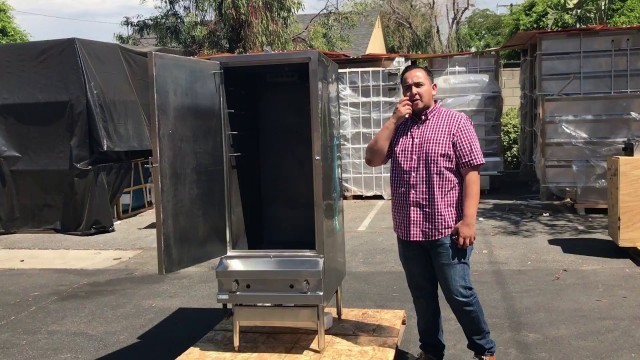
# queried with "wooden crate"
point(361, 334)
point(623, 180)
point(582, 208)
point(121, 213)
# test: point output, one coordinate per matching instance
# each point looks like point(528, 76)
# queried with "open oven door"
point(189, 136)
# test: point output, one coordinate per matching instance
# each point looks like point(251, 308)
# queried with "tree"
point(626, 13)
point(10, 32)
point(208, 26)
point(564, 14)
point(455, 10)
point(422, 26)
point(510, 135)
point(410, 26)
point(538, 15)
point(482, 30)
point(329, 28)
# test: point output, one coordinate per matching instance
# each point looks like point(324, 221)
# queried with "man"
point(435, 186)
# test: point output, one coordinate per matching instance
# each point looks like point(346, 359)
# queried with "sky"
point(105, 16)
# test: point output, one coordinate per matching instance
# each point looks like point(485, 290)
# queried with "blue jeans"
point(429, 263)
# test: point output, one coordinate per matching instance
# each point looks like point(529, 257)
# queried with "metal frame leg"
point(339, 302)
point(236, 334)
point(320, 327)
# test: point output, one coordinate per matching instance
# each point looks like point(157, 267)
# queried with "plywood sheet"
point(624, 204)
point(361, 334)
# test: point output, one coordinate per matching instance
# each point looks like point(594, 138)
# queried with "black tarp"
point(73, 115)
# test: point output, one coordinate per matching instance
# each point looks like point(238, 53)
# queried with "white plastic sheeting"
point(479, 96)
point(367, 100)
point(588, 90)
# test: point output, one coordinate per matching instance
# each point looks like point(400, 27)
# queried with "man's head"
point(418, 86)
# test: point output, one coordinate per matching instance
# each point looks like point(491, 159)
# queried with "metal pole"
point(628, 66)
point(339, 302)
point(581, 64)
point(613, 63)
point(374, 173)
point(352, 162)
point(236, 334)
point(320, 327)
point(361, 103)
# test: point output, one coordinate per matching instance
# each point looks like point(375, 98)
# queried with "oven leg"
point(236, 334)
point(339, 302)
point(320, 327)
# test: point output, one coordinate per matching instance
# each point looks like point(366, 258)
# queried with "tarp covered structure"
point(73, 114)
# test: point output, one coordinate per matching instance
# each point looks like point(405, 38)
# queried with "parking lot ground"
point(552, 283)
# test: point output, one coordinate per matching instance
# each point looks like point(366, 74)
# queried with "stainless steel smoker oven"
point(246, 168)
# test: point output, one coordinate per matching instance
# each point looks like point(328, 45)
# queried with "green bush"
point(510, 138)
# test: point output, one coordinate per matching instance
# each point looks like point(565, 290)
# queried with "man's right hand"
point(403, 110)
point(379, 146)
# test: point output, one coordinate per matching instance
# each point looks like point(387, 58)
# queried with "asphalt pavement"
point(552, 283)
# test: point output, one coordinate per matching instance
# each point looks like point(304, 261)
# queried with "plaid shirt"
point(427, 155)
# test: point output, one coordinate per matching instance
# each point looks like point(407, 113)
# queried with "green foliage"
point(538, 15)
point(485, 29)
point(10, 32)
point(330, 30)
point(510, 133)
point(207, 26)
point(563, 14)
point(482, 30)
point(626, 13)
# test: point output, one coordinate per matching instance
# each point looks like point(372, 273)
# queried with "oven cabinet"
point(246, 167)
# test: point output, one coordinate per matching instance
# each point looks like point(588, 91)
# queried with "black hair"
point(416, 67)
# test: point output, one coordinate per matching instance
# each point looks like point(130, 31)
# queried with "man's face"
point(417, 86)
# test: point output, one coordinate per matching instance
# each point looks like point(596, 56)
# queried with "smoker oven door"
point(188, 139)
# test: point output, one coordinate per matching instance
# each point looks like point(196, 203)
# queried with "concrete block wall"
point(510, 83)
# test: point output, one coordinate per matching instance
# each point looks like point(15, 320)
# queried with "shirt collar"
point(427, 114)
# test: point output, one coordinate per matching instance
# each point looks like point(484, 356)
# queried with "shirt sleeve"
point(466, 145)
point(392, 145)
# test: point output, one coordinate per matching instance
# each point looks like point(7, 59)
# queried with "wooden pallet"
point(581, 208)
point(122, 214)
point(361, 334)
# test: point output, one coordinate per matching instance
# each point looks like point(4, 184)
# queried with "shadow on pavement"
point(150, 226)
point(516, 209)
point(172, 336)
point(403, 355)
point(601, 248)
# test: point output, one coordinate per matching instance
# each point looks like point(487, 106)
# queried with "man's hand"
point(466, 233)
point(403, 110)
point(379, 146)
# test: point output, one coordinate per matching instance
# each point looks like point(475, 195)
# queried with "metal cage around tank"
point(588, 101)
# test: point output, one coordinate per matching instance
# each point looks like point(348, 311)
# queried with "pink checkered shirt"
point(427, 155)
